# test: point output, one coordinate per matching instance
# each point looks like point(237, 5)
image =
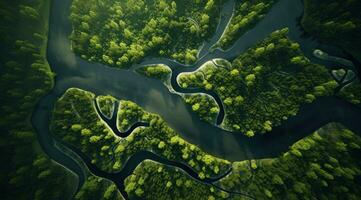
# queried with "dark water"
point(154, 96)
point(112, 121)
point(119, 177)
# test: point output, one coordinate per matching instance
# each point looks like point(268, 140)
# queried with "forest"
point(204, 105)
point(121, 33)
point(339, 23)
point(273, 80)
point(246, 15)
point(161, 72)
point(25, 77)
point(76, 122)
point(314, 167)
point(106, 105)
point(98, 188)
point(260, 89)
point(152, 180)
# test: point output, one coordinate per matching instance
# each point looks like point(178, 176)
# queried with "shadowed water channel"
point(154, 97)
point(112, 121)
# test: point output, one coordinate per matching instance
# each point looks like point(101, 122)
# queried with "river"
point(153, 96)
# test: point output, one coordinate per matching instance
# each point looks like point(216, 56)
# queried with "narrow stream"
point(119, 177)
point(153, 96)
point(112, 121)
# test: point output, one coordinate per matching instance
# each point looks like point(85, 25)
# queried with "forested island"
point(169, 99)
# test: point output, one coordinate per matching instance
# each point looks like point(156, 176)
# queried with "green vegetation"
point(324, 165)
point(121, 33)
point(204, 105)
point(98, 188)
point(339, 23)
point(128, 114)
point(259, 89)
point(26, 172)
point(245, 16)
point(313, 167)
point(106, 105)
point(265, 85)
point(76, 122)
point(152, 180)
point(352, 92)
point(161, 72)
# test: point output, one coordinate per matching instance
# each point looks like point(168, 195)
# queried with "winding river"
point(112, 121)
point(153, 96)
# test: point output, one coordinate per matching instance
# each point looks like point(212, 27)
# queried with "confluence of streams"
point(152, 95)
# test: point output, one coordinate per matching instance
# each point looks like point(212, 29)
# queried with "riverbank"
point(155, 97)
point(26, 77)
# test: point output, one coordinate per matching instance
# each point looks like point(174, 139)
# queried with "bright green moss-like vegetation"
point(263, 86)
point(161, 72)
point(324, 165)
point(204, 105)
point(106, 105)
point(259, 89)
point(313, 167)
point(128, 114)
point(76, 122)
point(246, 14)
point(152, 180)
point(25, 172)
point(121, 33)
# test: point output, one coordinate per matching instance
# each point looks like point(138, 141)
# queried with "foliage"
point(152, 180)
point(161, 72)
point(106, 105)
point(245, 16)
point(263, 86)
point(339, 23)
point(324, 165)
point(204, 105)
point(26, 172)
point(98, 188)
point(128, 114)
point(121, 33)
point(352, 92)
point(110, 152)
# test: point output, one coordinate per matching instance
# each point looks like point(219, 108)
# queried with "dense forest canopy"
point(339, 23)
point(121, 33)
point(26, 171)
point(265, 85)
point(260, 89)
